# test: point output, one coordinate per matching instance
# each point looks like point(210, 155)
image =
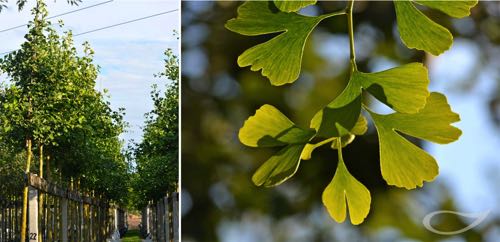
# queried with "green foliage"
point(270, 128)
point(47, 76)
point(20, 3)
point(404, 89)
point(279, 58)
point(156, 157)
point(51, 99)
point(343, 189)
point(292, 6)
point(11, 170)
point(419, 32)
point(402, 163)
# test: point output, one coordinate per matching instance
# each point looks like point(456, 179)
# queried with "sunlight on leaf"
point(403, 88)
point(292, 5)
point(279, 167)
point(279, 58)
point(269, 127)
point(344, 188)
point(404, 164)
point(343, 111)
point(359, 128)
point(417, 31)
point(457, 9)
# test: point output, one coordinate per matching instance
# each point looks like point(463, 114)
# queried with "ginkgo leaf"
point(279, 58)
point(403, 88)
point(457, 9)
point(432, 123)
point(403, 164)
point(279, 167)
point(343, 112)
point(344, 188)
point(418, 31)
point(269, 127)
point(292, 5)
point(359, 128)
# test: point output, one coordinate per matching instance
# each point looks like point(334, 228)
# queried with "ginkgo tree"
point(417, 111)
point(50, 105)
point(156, 157)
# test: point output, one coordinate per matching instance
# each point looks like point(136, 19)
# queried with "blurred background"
point(219, 200)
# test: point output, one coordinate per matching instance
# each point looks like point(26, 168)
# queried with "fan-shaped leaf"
point(344, 188)
point(269, 127)
point(279, 58)
point(343, 112)
point(419, 32)
point(403, 164)
point(403, 88)
point(279, 167)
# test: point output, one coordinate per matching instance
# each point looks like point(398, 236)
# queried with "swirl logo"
point(479, 217)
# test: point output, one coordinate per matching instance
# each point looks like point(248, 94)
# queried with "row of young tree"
point(54, 122)
point(156, 157)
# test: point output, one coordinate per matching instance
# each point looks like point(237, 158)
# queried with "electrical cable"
point(111, 26)
point(59, 15)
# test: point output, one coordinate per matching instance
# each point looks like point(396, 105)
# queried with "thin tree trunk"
point(40, 205)
point(25, 192)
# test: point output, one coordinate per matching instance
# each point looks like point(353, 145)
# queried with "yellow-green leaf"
point(403, 164)
point(269, 127)
point(432, 123)
point(279, 58)
point(344, 188)
point(418, 31)
point(279, 167)
point(403, 88)
point(359, 128)
point(457, 9)
point(343, 112)
point(292, 5)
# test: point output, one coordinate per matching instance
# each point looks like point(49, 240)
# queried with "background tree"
point(20, 3)
point(50, 101)
point(156, 156)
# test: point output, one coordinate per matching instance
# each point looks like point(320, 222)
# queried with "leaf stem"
point(348, 10)
point(336, 13)
point(339, 150)
point(324, 142)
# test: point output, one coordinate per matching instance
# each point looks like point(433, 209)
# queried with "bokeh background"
point(219, 201)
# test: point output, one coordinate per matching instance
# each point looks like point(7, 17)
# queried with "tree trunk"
point(24, 220)
point(40, 204)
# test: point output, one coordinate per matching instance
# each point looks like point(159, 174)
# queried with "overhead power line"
point(127, 22)
point(59, 15)
point(112, 26)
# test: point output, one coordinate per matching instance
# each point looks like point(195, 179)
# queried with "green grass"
point(132, 236)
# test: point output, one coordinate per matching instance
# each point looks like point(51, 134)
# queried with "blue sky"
point(128, 55)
